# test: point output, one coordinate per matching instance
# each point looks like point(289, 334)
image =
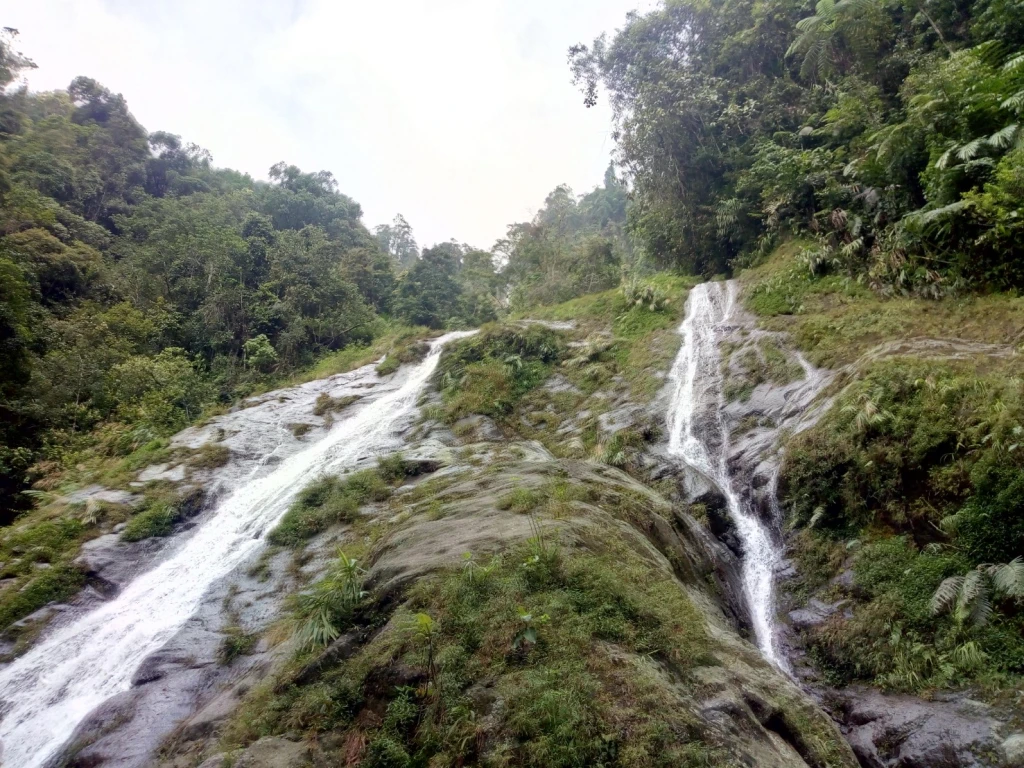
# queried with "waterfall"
point(49, 690)
point(699, 436)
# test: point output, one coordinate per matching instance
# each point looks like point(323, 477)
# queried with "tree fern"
point(819, 34)
point(1008, 578)
point(969, 597)
point(1005, 137)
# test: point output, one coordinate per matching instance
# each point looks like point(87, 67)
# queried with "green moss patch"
point(337, 498)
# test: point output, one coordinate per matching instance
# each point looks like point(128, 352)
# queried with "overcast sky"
point(458, 114)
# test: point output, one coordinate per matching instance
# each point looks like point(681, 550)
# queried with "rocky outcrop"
point(735, 697)
point(893, 731)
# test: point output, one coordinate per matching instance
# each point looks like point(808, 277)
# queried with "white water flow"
point(698, 435)
point(50, 689)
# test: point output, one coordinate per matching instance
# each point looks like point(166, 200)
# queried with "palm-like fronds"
point(1009, 577)
point(1016, 101)
point(969, 597)
point(819, 34)
point(970, 150)
point(1003, 138)
point(321, 612)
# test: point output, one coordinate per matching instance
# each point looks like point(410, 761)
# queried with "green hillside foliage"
point(911, 477)
point(885, 131)
point(140, 285)
point(573, 246)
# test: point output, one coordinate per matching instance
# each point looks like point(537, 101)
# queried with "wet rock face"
point(185, 687)
point(475, 521)
point(893, 731)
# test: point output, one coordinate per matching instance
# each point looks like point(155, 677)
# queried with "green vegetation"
point(54, 584)
point(405, 351)
point(887, 134)
point(570, 248)
point(755, 364)
point(490, 372)
point(161, 512)
point(141, 286)
point(337, 499)
point(210, 456)
point(835, 320)
point(913, 476)
point(624, 337)
point(321, 612)
point(456, 634)
point(236, 642)
point(540, 654)
point(325, 404)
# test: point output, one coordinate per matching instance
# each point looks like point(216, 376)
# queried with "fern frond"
point(1003, 138)
point(943, 162)
point(1014, 102)
point(926, 218)
point(970, 150)
point(1009, 577)
point(1015, 62)
point(981, 608)
point(945, 596)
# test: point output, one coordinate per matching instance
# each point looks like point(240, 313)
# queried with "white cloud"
point(457, 113)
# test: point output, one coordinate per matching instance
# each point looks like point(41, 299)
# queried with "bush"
point(161, 513)
point(909, 444)
point(385, 752)
point(920, 458)
point(331, 500)
point(490, 372)
point(54, 584)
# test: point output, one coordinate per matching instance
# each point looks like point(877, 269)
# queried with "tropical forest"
point(719, 463)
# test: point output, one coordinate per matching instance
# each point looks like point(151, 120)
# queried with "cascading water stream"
point(699, 436)
point(50, 689)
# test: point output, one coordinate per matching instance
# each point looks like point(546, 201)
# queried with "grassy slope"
point(562, 638)
point(835, 320)
point(573, 646)
point(910, 478)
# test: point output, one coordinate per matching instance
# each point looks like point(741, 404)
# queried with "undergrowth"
point(336, 499)
point(916, 473)
point(533, 628)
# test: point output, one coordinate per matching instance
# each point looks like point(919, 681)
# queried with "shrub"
point(236, 642)
point(489, 373)
point(385, 752)
point(156, 520)
point(54, 584)
point(334, 499)
point(162, 510)
point(320, 613)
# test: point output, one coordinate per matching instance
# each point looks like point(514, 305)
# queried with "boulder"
point(1013, 750)
point(898, 731)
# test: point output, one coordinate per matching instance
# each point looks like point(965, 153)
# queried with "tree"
point(396, 239)
point(428, 294)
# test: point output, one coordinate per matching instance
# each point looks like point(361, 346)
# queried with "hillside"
point(720, 463)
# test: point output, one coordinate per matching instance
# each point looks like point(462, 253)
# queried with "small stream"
point(49, 690)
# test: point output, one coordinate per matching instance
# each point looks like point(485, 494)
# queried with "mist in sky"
point(459, 114)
